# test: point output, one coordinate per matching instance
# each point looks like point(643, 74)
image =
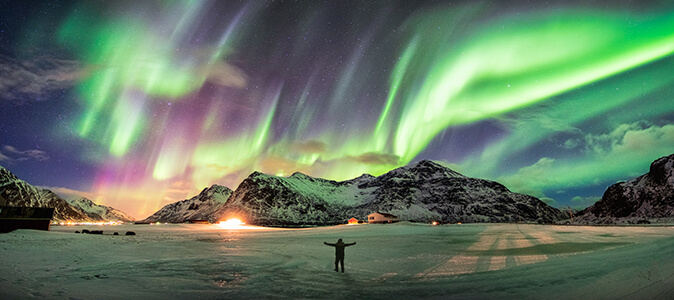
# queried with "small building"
point(380, 217)
point(353, 221)
point(13, 218)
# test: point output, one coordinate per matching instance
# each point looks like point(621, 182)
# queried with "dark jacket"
point(339, 247)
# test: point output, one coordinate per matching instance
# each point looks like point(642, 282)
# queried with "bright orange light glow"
point(231, 224)
point(73, 223)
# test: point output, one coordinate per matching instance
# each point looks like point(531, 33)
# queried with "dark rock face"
point(650, 196)
point(422, 192)
point(200, 207)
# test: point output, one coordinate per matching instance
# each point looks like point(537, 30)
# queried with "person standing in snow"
point(339, 252)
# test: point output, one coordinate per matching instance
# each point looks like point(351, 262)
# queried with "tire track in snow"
point(467, 263)
point(462, 263)
point(485, 262)
point(498, 262)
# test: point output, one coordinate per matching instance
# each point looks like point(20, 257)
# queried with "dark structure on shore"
point(13, 218)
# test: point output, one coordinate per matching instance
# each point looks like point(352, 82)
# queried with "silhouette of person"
point(339, 252)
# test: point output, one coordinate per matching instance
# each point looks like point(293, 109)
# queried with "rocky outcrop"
point(647, 198)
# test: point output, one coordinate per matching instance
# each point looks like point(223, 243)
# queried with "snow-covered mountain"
point(299, 199)
point(424, 191)
point(16, 192)
point(100, 212)
point(199, 207)
point(645, 198)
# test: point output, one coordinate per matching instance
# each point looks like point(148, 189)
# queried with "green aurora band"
point(130, 64)
point(536, 74)
point(510, 65)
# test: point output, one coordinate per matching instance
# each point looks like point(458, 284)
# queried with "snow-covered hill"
point(643, 199)
point(299, 199)
point(100, 212)
point(199, 207)
point(423, 192)
point(16, 192)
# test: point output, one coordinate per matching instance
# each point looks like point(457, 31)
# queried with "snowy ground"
point(399, 261)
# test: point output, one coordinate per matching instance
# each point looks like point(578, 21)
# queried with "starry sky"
point(137, 104)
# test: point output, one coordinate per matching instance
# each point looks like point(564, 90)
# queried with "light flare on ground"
point(233, 223)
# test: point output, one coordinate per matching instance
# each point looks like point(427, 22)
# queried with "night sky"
point(137, 104)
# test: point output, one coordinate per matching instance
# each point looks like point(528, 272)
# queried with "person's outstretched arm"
point(329, 244)
point(350, 244)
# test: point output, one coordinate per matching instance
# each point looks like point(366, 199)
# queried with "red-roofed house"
point(381, 218)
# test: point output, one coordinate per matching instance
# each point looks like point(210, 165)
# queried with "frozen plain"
point(396, 261)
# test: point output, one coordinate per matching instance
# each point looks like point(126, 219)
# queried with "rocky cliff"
point(647, 198)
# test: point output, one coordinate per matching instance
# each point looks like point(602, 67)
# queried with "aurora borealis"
point(136, 104)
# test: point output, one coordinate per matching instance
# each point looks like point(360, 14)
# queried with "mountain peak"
point(662, 170)
point(428, 164)
point(199, 207)
point(80, 201)
point(430, 167)
point(218, 188)
point(6, 175)
point(365, 176)
point(213, 189)
point(256, 174)
point(299, 175)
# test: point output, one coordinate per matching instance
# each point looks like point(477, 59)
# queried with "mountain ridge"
point(100, 212)
point(16, 192)
point(422, 192)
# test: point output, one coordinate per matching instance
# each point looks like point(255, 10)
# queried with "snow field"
point(393, 261)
